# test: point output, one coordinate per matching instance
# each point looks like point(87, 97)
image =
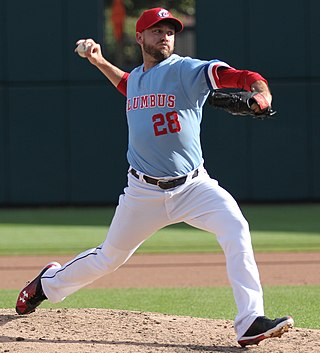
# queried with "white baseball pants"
point(144, 209)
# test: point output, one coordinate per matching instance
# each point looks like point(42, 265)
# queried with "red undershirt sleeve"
point(122, 85)
point(232, 78)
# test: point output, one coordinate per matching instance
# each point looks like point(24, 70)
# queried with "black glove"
point(240, 103)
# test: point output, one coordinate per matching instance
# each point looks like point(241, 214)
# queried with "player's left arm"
point(247, 80)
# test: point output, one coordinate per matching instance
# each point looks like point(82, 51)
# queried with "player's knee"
point(235, 233)
point(243, 225)
point(112, 258)
point(238, 225)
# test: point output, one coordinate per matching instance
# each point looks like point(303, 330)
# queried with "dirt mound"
point(101, 330)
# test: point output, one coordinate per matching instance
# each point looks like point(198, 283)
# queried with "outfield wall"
point(267, 160)
point(62, 125)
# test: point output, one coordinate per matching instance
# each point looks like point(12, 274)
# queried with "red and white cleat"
point(32, 294)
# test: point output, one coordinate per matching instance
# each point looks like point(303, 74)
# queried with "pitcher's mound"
point(101, 330)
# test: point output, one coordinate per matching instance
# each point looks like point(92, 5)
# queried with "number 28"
point(162, 124)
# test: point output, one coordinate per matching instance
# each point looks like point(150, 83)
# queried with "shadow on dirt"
point(4, 319)
point(155, 345)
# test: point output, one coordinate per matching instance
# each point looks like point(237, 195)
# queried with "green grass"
point(216, 303)
point(274, 228)
point(71, 230)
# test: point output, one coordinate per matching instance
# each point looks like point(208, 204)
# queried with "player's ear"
point(139, 37)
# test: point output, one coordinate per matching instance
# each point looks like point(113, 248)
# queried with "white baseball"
point(82, 48)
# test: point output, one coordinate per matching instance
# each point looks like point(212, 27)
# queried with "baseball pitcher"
point(167, 180)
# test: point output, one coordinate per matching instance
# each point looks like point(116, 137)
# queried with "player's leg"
point(213, 209)
point(139, 214)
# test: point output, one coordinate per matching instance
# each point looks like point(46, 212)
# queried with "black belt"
point(164, 184)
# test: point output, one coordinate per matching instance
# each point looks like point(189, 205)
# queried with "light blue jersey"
point(164, 112)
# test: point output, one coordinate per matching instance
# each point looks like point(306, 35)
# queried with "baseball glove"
point(240, 103)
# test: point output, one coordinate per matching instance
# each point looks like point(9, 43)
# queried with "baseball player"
point(167, 180)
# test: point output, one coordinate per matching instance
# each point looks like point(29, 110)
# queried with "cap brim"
point(177, 23)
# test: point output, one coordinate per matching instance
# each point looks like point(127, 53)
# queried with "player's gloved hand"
point(242, 103)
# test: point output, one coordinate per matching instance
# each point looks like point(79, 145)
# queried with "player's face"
point(158, 41)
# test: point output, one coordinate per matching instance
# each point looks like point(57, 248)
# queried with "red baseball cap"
point(150, 17)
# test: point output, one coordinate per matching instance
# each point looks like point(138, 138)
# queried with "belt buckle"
point(166, 184)
point(160, 181)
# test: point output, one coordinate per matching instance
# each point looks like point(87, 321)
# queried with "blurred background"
point(63, 132)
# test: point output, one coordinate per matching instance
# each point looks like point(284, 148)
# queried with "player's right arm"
point(114, 74)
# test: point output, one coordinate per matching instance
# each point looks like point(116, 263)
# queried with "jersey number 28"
point(162, 124)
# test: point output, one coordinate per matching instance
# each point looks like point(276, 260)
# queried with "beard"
point(158, 54)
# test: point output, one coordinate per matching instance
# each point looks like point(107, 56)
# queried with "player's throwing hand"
point(88, 48)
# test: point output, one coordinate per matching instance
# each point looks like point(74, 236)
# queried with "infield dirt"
point(116, 331)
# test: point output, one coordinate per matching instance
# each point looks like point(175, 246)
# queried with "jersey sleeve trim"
point(243, 79)
point(212, 74)
point(122, 85)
